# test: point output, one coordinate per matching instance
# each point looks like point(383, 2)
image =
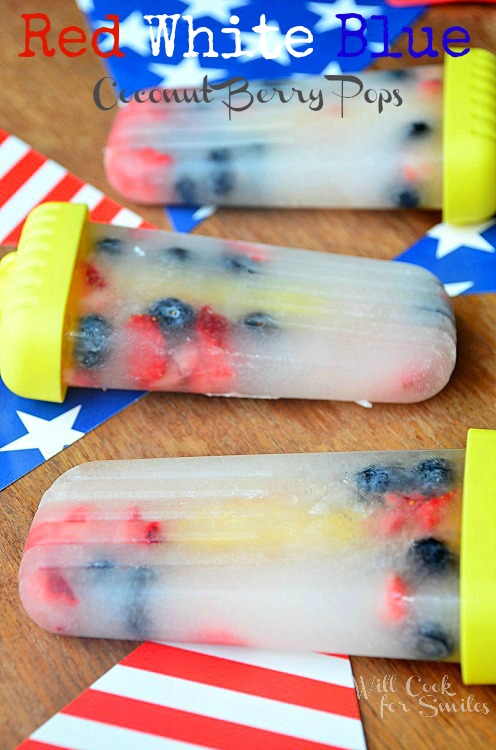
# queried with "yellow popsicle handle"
point(478, 560)
point(469, 137)
point(35, 282)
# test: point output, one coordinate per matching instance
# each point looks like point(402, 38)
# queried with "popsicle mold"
point(358, 553)
point(85, 304)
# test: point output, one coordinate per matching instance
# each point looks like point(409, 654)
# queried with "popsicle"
point(437, 148)
point(85, 304)
point(355, 553)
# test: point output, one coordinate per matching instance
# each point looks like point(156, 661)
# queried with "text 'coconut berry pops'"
point(418, 137)
point(359, 553)
point(84, 304)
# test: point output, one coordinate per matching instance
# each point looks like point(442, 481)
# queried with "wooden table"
point(48, 102)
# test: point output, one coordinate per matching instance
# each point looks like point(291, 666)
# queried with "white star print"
point(450, 238)
point(219, 10)
point(49, 436)
point(204, 212)
point(189, 72)
point(134, 34)
point(457, 287)
point(377, 47)
point(251, 42)
point(328, 12)
point(85, 5)
point(332, 69)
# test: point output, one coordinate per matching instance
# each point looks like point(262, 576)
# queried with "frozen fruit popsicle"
point(437, 149)
point(354, 553)
point(109, 307)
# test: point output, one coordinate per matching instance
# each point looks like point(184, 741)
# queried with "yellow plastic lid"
point(469, 137)
point(478, 560)
point(35, 282)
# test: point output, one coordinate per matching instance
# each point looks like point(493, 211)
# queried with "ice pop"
point(348, 552)
point(435, 149)
point(85, 304)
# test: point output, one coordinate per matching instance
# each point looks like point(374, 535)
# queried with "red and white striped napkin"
point(184, 697)
point(28, 178)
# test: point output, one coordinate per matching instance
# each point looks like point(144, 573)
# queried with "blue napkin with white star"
point(34, 431)
point(463, 258)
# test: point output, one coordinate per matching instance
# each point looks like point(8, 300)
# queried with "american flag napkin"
point(182, 697)
point(32, 431)
point(464, 258)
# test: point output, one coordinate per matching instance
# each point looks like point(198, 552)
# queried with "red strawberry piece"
point(253, 252)
point(152, 158)
point(93, 276)
point(219, 638)
point(78, 514)
point(82, 379)
point(139, 530)
point(212, 327)
point(397, 598)
point(146, 355)
point(153, 533)
point(391, 522)
point(58, 589)
point(408, 503)
point(431, 512)
point(215, 373)
point(431, 87)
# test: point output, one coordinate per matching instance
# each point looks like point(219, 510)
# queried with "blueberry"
point(238, 264)
point(429, 555)
point(186, 190)
point(143, 576)
point(222, 183)
point(435, 475)
point(399, 74)
point(91, 346)
point(419, 129)
point(259, 320)
point(431, 642)
point(101, 565)
point(178, 253)
point(172, 313)
point(109, 245)
point(402, 480)
point(219, 154)
point(137, 619)
point(407, 198)
point(373, 480)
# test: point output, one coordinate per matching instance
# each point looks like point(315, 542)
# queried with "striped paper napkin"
point(182, 697)
point(28, 178)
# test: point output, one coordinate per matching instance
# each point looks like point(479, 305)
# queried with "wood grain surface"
point(48, 102)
